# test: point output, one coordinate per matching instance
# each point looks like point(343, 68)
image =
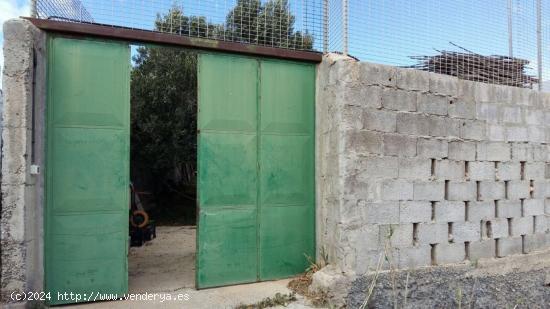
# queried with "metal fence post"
point(510, 29)
point(345, 26)
point(539, 41)
point(34, 11)
point(325, 26)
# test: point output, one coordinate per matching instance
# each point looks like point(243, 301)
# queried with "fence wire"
point(496, 41)
point(493, 41)
point(293, 24)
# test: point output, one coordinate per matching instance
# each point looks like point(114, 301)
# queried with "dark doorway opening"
point(163, 156)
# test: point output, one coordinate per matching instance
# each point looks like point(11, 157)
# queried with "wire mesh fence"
point(293, 24)
point(496, 41)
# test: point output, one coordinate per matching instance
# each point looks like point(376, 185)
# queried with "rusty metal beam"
point(144, 36)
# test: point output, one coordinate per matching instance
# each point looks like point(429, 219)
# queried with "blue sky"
point(10, 9)
point(382, 31)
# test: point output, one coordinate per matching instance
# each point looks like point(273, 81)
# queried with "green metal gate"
point(256, 169)
point(87, 176)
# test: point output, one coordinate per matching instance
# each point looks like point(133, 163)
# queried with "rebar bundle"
point(494, 69)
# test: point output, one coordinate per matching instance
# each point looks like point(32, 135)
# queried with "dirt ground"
point(165, 264)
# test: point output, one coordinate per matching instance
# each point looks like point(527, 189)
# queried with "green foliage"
point(163, 115)
point(269, 23)
point(164, 88)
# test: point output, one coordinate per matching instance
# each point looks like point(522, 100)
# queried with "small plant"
point(301, 283)
point(459, 298)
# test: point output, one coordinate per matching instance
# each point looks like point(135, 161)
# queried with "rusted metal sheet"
point(171, 39)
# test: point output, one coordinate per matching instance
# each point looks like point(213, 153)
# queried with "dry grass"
point(301, 285)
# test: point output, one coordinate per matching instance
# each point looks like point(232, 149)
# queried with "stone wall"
point(22, 146)
point(418, 169)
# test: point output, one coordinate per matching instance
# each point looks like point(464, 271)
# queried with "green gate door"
point(87, 174)
point(256, 169)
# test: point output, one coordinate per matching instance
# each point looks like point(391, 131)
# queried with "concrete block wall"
point(21, 212)
point(422, 169)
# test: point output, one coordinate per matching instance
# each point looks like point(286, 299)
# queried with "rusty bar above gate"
point(143, 36)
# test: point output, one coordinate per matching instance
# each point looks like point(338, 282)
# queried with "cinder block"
point(466, 231)
point(461, 108)
point(453, 127)
point(448, 211)
point(413, 124)
point(379, 120)
point(363, 142)
point(461, 191)
point(489, 112)
point(439, 126)
point(537, 134)
point(481, 211)
point(466, 90)
point(509, 245)
point(517, 134)
point(415, 211)
point(496, 133)
point(443, 84)
point(473, 129)
point(413, 80)
point(542, 224)
point(481, 170)
point(535, 170)
point(497, 228)
point(415, 168)
point(381, 213)
point(539, 189)
point(363, 96)
point(482, 249)
point(377, 74)
point(399, 100)
point(433, 104)
point(534, 116)
point(433, 233)
point(509, 208)
point(397, 190)
point(522, 152)
point(429, 190)
point(533, 207)
point(512, 114)
point(413, 257)
point(352, 117)
point(370, 260)
point(450, 170)
point(433, 148)
point(493, 151)
point(508, 171)
point(462, 151)
point(491, 190)
point(542, 152)
point(503, 94)
point(366, 236)
point(518, 189)
point(399, 236)
point(535, 242)
point(379, 167)
point(522, 226)
point(449, 253)
point(399, 145)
